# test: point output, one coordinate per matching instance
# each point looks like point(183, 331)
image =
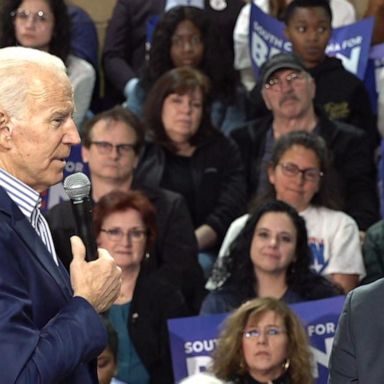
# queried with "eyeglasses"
point(309, 174)
point(106, 148)
point(276, 84)
point(40, 18)
point(134, 234)
point(269, 331)
point(180, 41)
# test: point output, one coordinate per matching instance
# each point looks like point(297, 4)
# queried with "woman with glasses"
point(45, 25)
point(125, 226)
point(186, 37)
point(263, 341)
point(269, 258)
point(299, 174)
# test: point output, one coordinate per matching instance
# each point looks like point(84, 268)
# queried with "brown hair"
point(228, 358)
point(181, 81)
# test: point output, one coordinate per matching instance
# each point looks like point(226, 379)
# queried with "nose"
point(186, 106)
point(262, 339)
point(285, 86)
point(72, 135)
point(274, 241)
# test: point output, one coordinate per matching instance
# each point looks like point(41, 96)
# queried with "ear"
point(5, 130)
point(271, 174)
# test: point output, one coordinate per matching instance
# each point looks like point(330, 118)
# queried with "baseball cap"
point(279, 61)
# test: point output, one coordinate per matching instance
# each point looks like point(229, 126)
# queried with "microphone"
point(77, 186)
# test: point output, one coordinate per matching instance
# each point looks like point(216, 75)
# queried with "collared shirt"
point(28, 201)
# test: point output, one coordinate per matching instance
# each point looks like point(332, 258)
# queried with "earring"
point(147, 255)
point(286, 364)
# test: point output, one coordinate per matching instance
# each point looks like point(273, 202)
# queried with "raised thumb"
point(78, 248)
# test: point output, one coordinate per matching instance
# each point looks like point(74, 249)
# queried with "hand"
point(96, 281)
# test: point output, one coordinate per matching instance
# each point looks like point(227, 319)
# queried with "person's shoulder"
point(258, 126)
point(332, 215)
point(159, 195)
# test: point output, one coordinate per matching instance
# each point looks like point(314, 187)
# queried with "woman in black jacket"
point(188, 155)
point(125, 226)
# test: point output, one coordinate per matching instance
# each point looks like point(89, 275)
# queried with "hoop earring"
point(286, 364)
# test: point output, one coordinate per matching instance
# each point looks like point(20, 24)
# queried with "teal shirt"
point(129, 366)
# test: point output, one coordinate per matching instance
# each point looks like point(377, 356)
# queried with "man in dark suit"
point(50, 330)
point(359, 341)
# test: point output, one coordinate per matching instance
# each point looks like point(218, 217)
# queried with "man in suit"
point(359, 340)
point(50, 329)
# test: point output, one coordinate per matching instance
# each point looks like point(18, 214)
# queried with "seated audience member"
point(342, 94)
point(107, 360)
point(270, 258)
point(263, 341)
point(189, 156)
point(45, 25)
point(112, 141)
point(343, 13)
point(373, 252)
point(125, 225)
point(298, 175)
point(184, 37)
point(129, 30)
point(288, 91)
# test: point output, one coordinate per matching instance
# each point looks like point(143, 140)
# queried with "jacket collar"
point(29, 237)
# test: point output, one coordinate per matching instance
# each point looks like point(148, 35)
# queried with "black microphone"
point(78, 187)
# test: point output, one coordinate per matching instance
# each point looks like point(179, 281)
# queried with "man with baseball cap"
point(288, 91)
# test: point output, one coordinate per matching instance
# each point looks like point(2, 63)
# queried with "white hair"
point(15, 76)
point(201, 378)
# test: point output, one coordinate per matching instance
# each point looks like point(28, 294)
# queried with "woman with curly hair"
point(185, 37)
point(45, 25)
point(263, 341)
point(270, 258)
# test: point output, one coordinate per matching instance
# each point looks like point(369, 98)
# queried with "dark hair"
point(118, 201)
point(181, 81)
point(115, 114)
point(299, 278)
point(326, 195)
point(291, 8)
point(218, 67)
point(60, 44)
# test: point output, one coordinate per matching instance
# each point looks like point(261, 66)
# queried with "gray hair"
point(15, 76)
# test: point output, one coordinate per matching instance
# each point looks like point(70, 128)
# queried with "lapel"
point(31, 239)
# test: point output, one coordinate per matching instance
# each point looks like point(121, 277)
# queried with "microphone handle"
point(82, 210)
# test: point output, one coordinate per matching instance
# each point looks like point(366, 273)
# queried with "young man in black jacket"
point(342, 95)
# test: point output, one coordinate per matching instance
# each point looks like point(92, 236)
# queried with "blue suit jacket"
point(46, 334)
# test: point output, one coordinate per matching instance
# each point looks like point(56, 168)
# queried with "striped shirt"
point(28, 201)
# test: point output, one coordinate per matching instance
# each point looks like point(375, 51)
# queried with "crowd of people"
point(213, 190)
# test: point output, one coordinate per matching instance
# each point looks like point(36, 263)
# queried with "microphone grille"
point(77, 186)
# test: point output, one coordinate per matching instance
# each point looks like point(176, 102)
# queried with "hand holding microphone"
point(97, 281)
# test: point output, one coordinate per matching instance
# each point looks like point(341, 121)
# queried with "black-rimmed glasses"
point(309, 174)
point(105, 148)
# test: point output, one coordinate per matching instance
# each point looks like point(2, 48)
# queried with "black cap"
point(280, 61)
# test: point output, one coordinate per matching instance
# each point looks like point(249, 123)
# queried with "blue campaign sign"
point(194, 338)
point(351, 43)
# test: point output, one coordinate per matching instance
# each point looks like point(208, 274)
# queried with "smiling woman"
point(269, 258)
